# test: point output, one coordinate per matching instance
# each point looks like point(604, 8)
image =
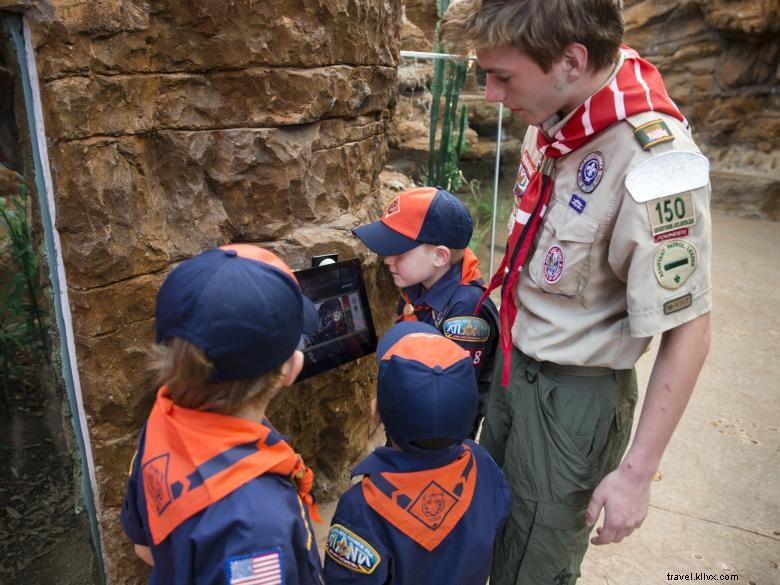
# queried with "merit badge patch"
point(674, 263)
point(678, 304)
point(590, 172)
point(258, 568)
point(652, 133)
point(432, 505)
point(470, 329)
point(577, 203)
point(671, 215)
point(350, 551)
point(394, 207)
point(553, 264)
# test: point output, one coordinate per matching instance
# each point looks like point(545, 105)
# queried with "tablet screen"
point(346, 330)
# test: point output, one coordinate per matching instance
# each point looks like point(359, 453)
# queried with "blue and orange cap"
point(426, 388)
point(240, 304)
point(426, 215)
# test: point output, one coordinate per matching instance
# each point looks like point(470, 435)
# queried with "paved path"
point(716, 508)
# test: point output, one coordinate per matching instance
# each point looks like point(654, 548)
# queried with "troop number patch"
point(674, 263)
point(469, 329)
point(349, 550)
point(671, 214)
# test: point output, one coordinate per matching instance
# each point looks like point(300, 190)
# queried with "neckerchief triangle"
point(424, 505)
point(636, 87)
point(193, 458)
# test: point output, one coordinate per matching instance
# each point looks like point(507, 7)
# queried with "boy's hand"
point(625, 500)
point(145, 554)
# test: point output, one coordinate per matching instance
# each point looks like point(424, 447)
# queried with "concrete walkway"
point(716, 508)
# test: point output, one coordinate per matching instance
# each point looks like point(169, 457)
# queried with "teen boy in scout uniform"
point(610, 246)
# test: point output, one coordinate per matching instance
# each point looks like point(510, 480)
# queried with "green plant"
point(480, 204)
point(24, 341)
point(448, 79)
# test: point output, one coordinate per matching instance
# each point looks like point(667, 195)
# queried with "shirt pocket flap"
point(572, 227)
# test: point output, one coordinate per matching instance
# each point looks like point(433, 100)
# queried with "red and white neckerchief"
point(636, 87)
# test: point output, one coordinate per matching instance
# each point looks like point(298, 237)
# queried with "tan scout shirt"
point(624, 250)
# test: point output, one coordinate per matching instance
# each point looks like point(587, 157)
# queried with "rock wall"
point(174, 126)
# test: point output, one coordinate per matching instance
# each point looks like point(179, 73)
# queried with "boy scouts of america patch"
point(590, 172)
point(553, 264)
point(469, 329)
point(350, 551)
point(262, 567)
point(674, 263)
point(652, 133)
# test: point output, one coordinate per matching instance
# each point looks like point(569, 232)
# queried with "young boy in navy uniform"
point(427, 509)
point(216, 495)
point(423, 236)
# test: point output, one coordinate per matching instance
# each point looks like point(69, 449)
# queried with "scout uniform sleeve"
point(354, 552)
point(130, 518)
point(661, 245)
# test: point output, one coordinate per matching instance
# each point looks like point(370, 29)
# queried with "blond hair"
point(541, 29)
point(186, 370)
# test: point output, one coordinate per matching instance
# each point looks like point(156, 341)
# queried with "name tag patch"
point(674, 263)
point(671, 214)
point(678, 304)
point(349, 550)
point(469, 329)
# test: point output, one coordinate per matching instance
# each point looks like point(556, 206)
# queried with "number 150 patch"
point(671, 216)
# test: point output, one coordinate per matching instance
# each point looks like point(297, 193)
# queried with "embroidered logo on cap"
point(553, 264)
point(590, 172)
point(350, 551)
point(394, 207)
point(674, 263)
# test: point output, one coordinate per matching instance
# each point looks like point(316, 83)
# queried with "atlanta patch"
point(590, 172)
point(350, 551)
point(469, 329)
point(674, 263)
point(262, 567)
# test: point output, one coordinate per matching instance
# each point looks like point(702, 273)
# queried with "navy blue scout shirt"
point(365, 547)
point(449, 306)
point(260, 528)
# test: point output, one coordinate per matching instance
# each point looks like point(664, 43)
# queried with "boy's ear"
point(441, 256)
point(292, 367)
point(575, 61)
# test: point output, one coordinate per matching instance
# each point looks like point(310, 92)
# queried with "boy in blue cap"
point(426, 510)
point(424, 237)
point(215, 495)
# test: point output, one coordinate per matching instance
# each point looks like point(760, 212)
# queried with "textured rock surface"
point(175, 126)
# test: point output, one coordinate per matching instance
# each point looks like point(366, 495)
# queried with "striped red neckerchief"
point(636, 87)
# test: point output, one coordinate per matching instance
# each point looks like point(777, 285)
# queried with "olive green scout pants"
point(556, 431)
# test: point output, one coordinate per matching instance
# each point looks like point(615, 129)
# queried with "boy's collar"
point(384, 459)
point(440, 293)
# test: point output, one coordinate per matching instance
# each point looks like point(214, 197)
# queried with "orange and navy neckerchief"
point(193, 458)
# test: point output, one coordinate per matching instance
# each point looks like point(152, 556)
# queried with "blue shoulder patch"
point(350, 551)
point(465, 328)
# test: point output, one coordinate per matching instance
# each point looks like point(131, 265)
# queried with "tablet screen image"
point(346, 329)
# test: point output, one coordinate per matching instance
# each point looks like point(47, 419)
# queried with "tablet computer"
point(346, 330)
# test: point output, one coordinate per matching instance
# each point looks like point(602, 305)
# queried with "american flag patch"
point(262, 568)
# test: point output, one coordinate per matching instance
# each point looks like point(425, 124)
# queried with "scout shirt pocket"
point(561, 262)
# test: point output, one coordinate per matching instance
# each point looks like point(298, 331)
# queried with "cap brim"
point(382, 240)
point(311, 318)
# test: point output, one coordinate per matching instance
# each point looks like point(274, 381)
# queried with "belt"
point(565, 369)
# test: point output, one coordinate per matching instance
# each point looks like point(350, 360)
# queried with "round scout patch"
point(553, 264)
point(674, 263)
point(591, 169)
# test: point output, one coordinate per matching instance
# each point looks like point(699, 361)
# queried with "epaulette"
point(668, 173)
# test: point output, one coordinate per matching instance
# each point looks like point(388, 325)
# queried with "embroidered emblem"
point(262, 567)
point(678, 304)
point(529, 162)
point(669, 214)
point(674, 263)
point(553, 264)
point(394, 207)
point(590, 172)
point(577, 203)
point(155, 474)
point(350, 551)
point(681, 233)
point(521, 183)
point(432, 505)
point(470, 329)
point(652, 133)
